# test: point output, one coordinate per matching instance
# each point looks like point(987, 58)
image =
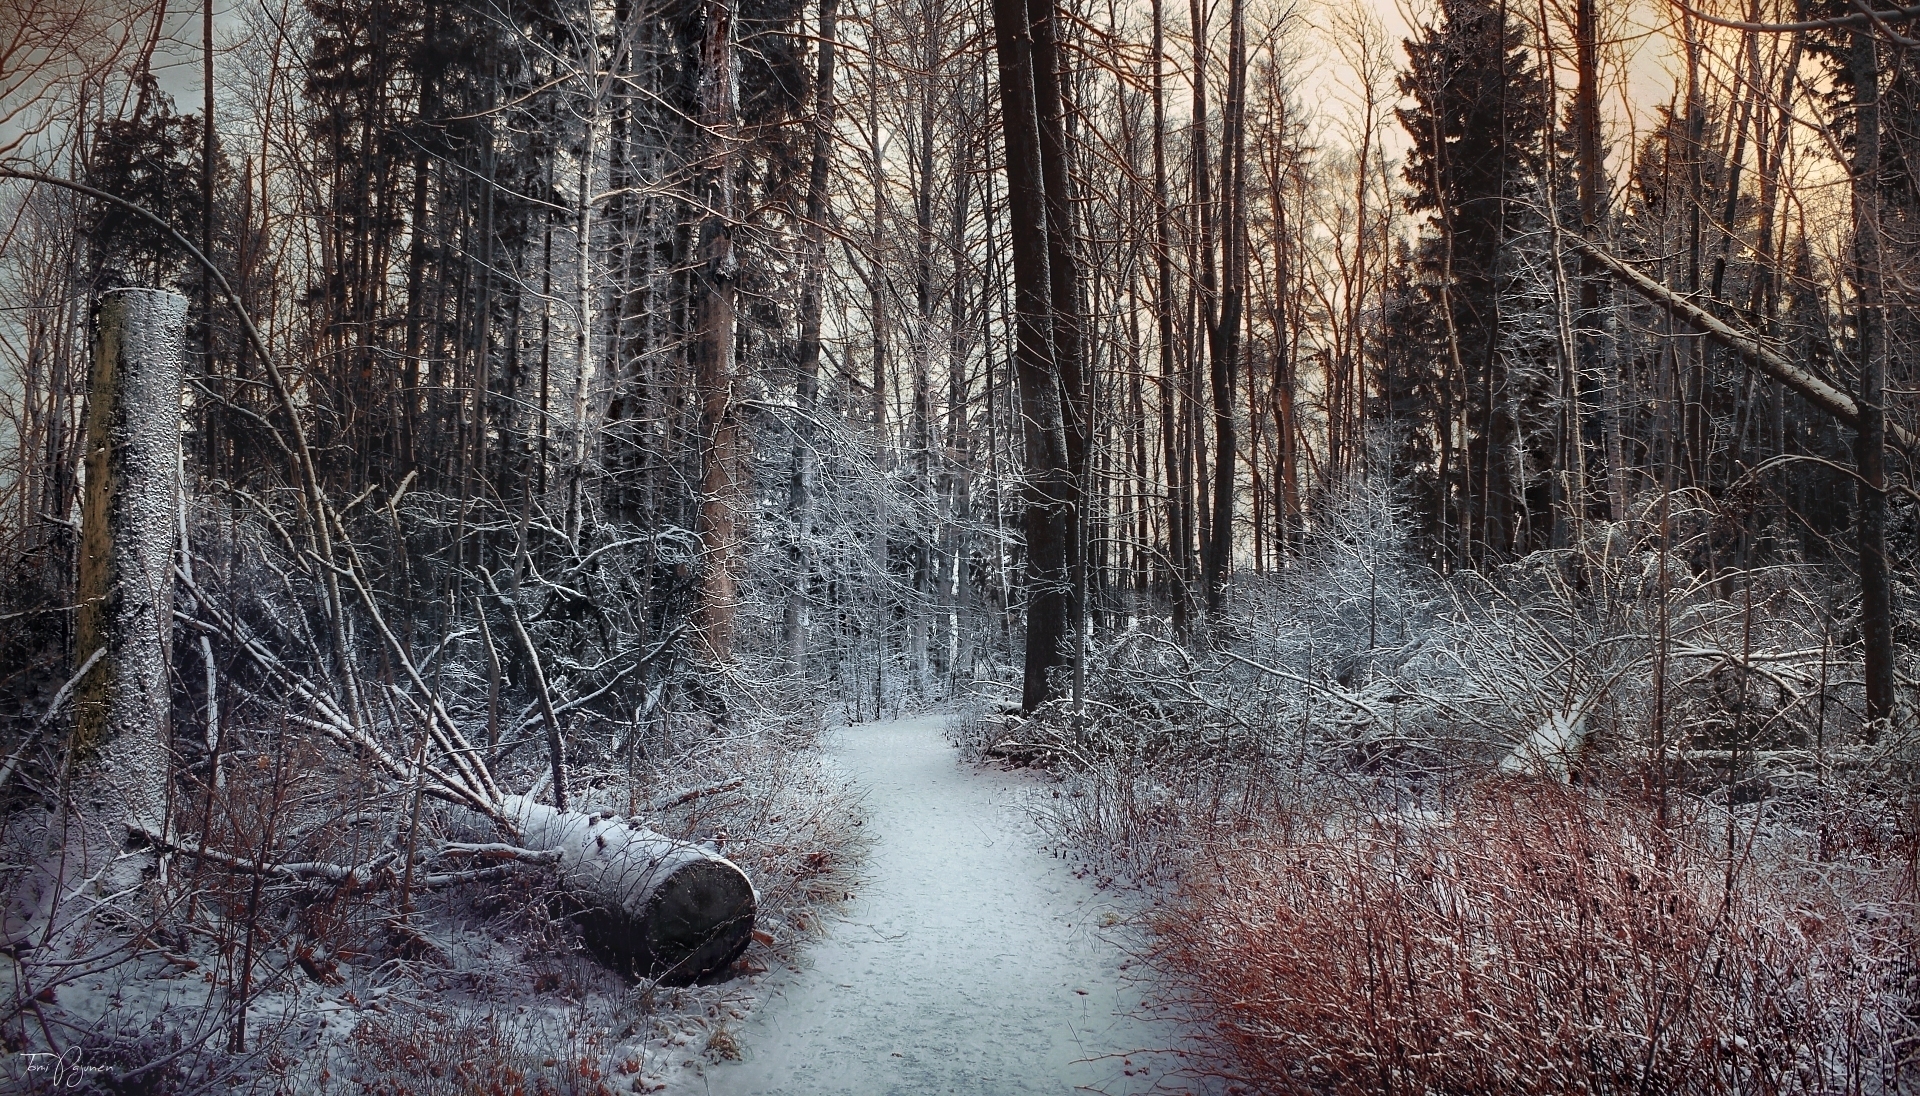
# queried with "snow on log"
point(128, 525)
point(1553, 747)
point(652, 906)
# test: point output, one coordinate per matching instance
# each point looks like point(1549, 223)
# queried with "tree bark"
point(128, 531)
point(806, 388)
point(651, 906)
point(724, 451)
point(1049, 496)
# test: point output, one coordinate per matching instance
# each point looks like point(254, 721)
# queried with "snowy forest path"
point(970, 960)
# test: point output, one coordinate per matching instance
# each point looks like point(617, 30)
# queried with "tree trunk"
point(806, 389)
point(724, 451)
point(920, 420)
point(1048, 474)
point(584, 367)
point(1225, 344)
point(1591, 180)
point(128, 531)
point(1876, 584)
point(1178, 537)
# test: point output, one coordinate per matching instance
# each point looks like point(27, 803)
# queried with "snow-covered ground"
point(970, 960)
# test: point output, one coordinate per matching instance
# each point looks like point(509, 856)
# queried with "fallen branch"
point(495, 850)
point(358, 875)
point(1813, 389)
point(46, 717)
point(691, 794)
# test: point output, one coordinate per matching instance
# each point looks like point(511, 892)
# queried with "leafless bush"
point(1414, 820)
point(1535, 938)
point(438, 1053)
point(1645, 644)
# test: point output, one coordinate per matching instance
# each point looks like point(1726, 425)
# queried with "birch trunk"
point(128, 515)
point(652, 906)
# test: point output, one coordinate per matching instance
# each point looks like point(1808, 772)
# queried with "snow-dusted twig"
point(681, 799)
point(59, 698)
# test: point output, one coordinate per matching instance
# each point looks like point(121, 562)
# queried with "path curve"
point(971, 962)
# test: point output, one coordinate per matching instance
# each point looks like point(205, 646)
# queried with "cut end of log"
point(698, 921)
point(648, 905)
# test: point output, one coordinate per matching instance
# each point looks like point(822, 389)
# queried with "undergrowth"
point(1603, 820)
point(1538, 938)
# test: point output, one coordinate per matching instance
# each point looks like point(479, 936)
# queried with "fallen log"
point(651, 906)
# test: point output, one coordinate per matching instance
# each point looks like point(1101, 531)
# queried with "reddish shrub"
point(1532, 939)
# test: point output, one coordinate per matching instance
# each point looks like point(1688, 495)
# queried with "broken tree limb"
point(1813, 389)
point(53, 708)
point(652, 906)
point(357, 875)
point(1552, 749)
point(556, 745)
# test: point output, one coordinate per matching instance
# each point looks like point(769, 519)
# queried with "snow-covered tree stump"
point(128, 523)
point(651, 906)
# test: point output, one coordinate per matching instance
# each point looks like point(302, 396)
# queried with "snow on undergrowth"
point(1534, 938)
point(1602, 820)
point(318, 923)
point(483, 988)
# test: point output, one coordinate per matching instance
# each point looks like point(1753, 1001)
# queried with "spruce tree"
point(1476, 122)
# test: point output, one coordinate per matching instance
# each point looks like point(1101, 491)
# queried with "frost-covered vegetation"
point(1604, 819)
point(1431, 494)
point(314, 922)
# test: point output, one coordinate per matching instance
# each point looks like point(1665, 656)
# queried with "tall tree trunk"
point(877, 295)
point(213, 426)
point(1591, 181)
point(584, 367)
point(920, 421)
point(1048, 471)
point(1206, 304)
point(1069, 338)
point(959, 441)
point(1876, 585)
point(128, 531)
point(806, 392)
point(1226, 341)
point(1178, 536)
point(723, 457)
